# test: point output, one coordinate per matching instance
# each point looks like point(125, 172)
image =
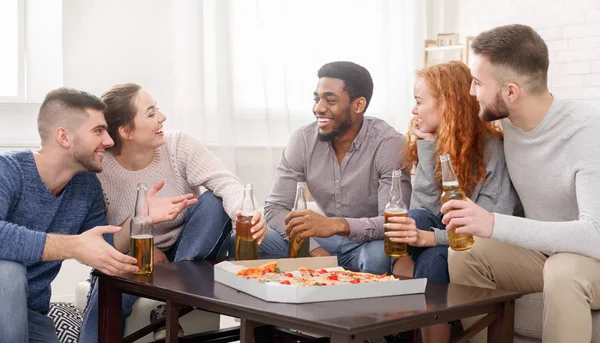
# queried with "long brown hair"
point(120, 111)
point(461, 132)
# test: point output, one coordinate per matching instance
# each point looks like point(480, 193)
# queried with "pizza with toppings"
point(270, 273)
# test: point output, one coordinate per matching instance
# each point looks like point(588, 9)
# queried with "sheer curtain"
point(245, 70)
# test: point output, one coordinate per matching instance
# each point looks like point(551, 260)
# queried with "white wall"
point(570, 28)
point(97, 33)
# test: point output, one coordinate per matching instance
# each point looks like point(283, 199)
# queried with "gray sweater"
point(555, 169)
point(495, 195)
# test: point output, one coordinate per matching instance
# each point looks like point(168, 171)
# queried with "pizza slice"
point(270, 267)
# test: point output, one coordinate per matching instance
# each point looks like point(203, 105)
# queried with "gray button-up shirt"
point(357, 189)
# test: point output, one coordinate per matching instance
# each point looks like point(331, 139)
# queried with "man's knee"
point(373, 258)
point(13, 302)
point(561, 275)
point(457, 262)
point(13, 278)
point(460, 263)
point(274, 245)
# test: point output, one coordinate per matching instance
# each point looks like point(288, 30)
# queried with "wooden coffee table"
point(191, 283)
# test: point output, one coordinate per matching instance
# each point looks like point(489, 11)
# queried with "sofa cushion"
point(67, 321)
point(529, 312)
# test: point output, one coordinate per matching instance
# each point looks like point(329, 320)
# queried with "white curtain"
point(245, 70)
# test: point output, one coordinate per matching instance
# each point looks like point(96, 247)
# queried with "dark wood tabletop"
point(192, 283)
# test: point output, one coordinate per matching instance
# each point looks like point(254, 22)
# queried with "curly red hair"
point(461, 132)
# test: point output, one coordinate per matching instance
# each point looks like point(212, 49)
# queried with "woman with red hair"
point(446, 121)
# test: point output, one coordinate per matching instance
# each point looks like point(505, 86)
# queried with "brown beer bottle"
point(395, 208)
point(246, 248)
point(141, 233)
point(451, 191)
point(299, 249)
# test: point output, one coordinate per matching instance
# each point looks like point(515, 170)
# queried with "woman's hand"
point(259, 226)
point(423, 135)
point(167, 208)
point(404, 230)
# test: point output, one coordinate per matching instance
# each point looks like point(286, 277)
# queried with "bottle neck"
point(448, 175)
point(300, 202)
point(248, 206)
point(141, 204)
point(396, 191)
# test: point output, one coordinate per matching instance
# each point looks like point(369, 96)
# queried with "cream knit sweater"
point(184, 165)
point(555, 169)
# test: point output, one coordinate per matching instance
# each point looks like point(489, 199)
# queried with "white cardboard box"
point(225, 273)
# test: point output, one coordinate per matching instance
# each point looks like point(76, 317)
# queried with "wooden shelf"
point(431, 47)
point(445, 48)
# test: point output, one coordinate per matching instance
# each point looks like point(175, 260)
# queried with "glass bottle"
point(395, 208)
point(451, 191)
point(246, 247)
point(299, 249)
point(141, 230)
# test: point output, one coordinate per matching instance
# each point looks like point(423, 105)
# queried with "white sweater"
point(184, 165)
point(555, 169)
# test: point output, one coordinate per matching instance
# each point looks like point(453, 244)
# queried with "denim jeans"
point(18, 323)
point(365, 257)
point(205, 230)
point(430, 263)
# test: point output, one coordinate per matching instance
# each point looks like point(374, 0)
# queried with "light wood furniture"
point(431, 48)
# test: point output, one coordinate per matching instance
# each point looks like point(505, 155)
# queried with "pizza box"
point(225, 273)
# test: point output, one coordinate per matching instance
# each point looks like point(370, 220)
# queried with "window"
point(12, 43)
point(285, 43)
point(261, 59)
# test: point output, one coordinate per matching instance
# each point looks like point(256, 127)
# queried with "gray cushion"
point(529, 311)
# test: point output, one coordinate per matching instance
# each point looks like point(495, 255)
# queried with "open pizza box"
point(225, 273)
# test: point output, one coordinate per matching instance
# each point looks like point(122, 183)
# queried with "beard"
point(337, 131)
point(87, 160)
point(498, 110)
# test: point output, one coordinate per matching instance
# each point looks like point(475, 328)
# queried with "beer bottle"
point(451, 191)
point(395, 208)
point(141, 229)
point(300, 249)
point(246, 248)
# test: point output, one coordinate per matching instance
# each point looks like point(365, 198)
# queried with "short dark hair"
point(357, 79)
point(120, 110)
point(65, 107)
point(519, 48)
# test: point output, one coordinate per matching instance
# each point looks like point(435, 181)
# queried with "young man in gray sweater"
point(552, 150)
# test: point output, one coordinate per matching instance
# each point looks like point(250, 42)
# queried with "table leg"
point(503, 328)
point(172, 322)
point(340, 338)
point(109, 312)
point(247, 330)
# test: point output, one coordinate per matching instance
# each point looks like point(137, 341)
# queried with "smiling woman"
point(177, 164)
point(446, 121)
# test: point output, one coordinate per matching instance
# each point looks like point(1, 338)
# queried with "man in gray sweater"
point(552, 150)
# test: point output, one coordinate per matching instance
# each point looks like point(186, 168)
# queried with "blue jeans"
point(365, 257)
point(18, 323)
point(205, 230)
point(430, 263)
